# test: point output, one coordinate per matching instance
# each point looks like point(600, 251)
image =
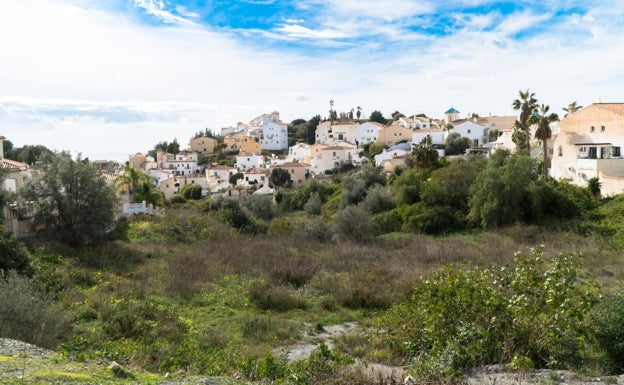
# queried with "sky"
point(109, 78)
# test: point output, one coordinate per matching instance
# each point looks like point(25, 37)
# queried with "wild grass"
point(202, 289)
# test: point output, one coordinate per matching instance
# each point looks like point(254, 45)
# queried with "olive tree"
point(75, 203)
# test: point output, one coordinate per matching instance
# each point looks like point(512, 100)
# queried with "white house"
point(327, 133)
point(415, 122)
point(589, 145)
point(274, 136)
point(476, 132)
point(437, 136)
point(389, 154)
point(218, 177)
point(254, 177)
point(298, 153)
point(246, 161)
point(367, 132)
point(333, 157)
point(179, 164)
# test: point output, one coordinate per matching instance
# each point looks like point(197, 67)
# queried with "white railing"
point(137, 208)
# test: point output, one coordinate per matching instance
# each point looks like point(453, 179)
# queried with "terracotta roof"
point(11, 164)
point(292, 164)
point(222, 167)
point(617, 108)
point(257, 170)
point(336, 148)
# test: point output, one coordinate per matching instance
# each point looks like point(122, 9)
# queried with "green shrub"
point(13, 254)
point(29, 314)
point(269, 296)
point(421, 217)
point(606, 323)
point(281, 226)
point(314, 205)
point(260, 206)
point(354, 223)
point(388, 221)
point(177, 199)
point(191, 192)
point(462, 317)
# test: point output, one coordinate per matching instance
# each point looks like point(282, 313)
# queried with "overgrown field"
point(188, 292)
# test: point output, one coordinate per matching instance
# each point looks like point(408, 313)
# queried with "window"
point(592, 129)
point(602, 128)
point(615, 152)
point(469, 131)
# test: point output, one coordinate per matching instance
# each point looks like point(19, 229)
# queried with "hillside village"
point(586, 143)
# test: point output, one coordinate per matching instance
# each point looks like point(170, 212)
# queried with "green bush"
point(421, 217)
point(177, 199)
point(13, 254)
point(388, 221)
point(606, 323)
point(269, 296)
point(464, 316)
point(314, 205)
point(30, 314)
point(191, 192)
point(354, 223)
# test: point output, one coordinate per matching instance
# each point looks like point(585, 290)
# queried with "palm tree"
point(358, 113)
point(424, 153)
point(526, 104)
point(128, 181)
point(594, 185)
point(148, 191)
point(572, 108)
point(542, 118)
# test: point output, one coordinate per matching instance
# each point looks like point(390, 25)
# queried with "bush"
point(13, 254)
point(420, 217)
point(260, 206)
point(268, 296)
point(191, 192)
point(378, 199)
point(354, 223)
point(30, 314)
point(177, 199)
point(388, 221)
point(462, 317)
point(314, 205)
point(607, 320)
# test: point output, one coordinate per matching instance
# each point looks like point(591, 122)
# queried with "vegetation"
point(75, 204)
point(444, 265)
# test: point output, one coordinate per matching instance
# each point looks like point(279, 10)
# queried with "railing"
point(137, 208)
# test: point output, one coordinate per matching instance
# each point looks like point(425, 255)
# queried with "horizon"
point(112, 79)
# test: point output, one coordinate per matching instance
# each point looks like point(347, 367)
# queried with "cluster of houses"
point(586, 143)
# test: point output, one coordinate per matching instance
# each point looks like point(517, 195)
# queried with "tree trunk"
point(545, 167)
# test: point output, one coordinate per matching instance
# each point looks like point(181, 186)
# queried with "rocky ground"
point(22, 363)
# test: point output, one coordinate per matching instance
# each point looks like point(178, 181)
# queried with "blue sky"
point(110, 78)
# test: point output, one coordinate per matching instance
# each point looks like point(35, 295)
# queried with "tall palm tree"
point(572, 108)
point(424, 153)
point(526, 104)
point(542, 118)
point(128, 181)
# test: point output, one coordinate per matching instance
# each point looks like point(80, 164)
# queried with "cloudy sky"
point(108, 78)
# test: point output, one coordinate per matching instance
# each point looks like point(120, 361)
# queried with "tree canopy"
point(76, 204)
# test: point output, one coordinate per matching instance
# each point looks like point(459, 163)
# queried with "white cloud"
point(96, 81)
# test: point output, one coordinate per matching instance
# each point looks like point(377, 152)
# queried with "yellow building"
point(394, 134)
point(202, 144)
point(234, 142)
